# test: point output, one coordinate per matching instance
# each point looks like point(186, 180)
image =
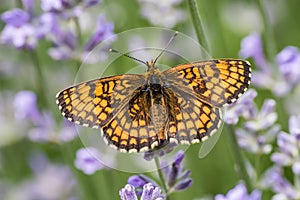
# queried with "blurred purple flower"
point(18, 31)
point(25, 106)
point(281, 81)
point(152, 10)
point(138, 181)
point(263, 119)
point(29, 6)
point(289, 145)
point(251, 46)
point(273, 178)
point(88, 3)
point(64, 47)
point(289, 64)
point(149, 155)
point(260, 129)
point(239, 192)
point(244, 106)
point(53, 5)
point(104, 30)
point(176, 177)
point(89, 160)
point(149, 192)
point(15, 17)
point(128, 193)
point(256, 143)
point(49, 27)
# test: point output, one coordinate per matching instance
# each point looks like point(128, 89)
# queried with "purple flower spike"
point(25, 104)
point(15, 17)
point(239, 192)
point(88, 160)
point(175, 175)
point(183, 184)
point(128, 193)
point(273, 178)
point(18, 32)
point(294, 126)
point(289, 60)
point(151, 192)
point(289, 154)
point(29, 6)
point(251, 46)
point(104, 30)
point(138, 180)
point(243, 107)
point(89, 3)
point(52, 5)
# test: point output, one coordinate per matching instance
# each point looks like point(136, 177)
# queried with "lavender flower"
point(152, 10)
point(89, 160)
point(289, 154)
point(18, 31)
point(260, 131)
point(25, 106)
point(128, 193)
point(244, 106)
point(280, 185)
point(279, 81)
point(251, 46)
point(259, 128)
point(149, 155)
point(289, 61)
point(104, 30)
point(150, 192)
point(239, 192)
point(176, 177)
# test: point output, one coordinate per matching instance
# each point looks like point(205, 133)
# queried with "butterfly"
point(140, 112)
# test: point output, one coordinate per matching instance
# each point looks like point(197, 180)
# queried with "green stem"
point(236, 151)
point(269, 38)
point(40, 79)
point(161, 177)
point(197, 24)
point(79, 40)
point(297, 182)
point(78, 30)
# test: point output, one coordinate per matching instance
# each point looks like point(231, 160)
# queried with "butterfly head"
point(151, 65)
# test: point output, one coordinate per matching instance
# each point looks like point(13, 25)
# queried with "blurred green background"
point(226, 22)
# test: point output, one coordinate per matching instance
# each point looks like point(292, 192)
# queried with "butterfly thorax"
point(154, 86)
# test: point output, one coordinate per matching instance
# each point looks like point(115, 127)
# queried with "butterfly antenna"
point(126, 55)
point(168, 44)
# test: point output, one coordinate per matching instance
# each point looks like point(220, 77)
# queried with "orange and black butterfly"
point(140, 112)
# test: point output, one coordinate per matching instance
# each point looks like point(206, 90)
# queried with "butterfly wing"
point(216, 82)
point(94, 103)
point(189, 119)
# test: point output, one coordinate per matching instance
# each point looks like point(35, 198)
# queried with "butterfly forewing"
point(216, 82)
point(94, 103)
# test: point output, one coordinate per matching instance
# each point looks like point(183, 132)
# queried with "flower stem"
point(197, 24)
point(297, 182)
point(78, 30)
point(40, 79)
point(79, 41)
point(236, 151)
point(161, 177)
point(269, 38)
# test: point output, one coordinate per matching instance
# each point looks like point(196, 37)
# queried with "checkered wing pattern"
point(216, 82)
point(191, 120)
point(94, 103)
